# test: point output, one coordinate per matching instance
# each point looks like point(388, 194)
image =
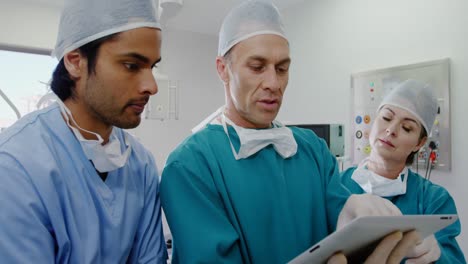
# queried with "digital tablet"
point(359, 238)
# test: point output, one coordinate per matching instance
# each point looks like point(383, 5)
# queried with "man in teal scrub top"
point(245, 188)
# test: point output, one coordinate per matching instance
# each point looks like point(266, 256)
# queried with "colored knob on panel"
point(359, 134)
point(367, 149)
point(367, 119)
point(358, 120)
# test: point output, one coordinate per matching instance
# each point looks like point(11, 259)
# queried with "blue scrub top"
point(423, 197)
point(262, 209)
point(56, 209)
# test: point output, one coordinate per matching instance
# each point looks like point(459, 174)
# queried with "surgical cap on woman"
point(251, 18)
point(415, 97)
point(83, 21)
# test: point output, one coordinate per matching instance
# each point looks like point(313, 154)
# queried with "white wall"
point(331, 39)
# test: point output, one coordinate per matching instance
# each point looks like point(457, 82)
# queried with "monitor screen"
point(322, 130)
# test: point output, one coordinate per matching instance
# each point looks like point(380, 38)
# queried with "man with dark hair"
point(75, 187)
point(62, 84)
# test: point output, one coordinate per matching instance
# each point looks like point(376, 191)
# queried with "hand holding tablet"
point(359, 238)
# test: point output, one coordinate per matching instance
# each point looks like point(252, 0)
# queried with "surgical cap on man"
point(249, 19)
point(83, 21)
point(415, 97)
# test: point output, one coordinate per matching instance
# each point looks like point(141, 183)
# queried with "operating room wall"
point(332, 39)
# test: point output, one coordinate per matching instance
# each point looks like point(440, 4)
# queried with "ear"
point(420, 144)
point(222, 68)
point(75, 64)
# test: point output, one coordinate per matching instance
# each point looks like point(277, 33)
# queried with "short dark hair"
point(411, 156)
point(62, 84)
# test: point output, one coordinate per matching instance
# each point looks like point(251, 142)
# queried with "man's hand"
point(338, 258)
point(359, 205)
point(391, 250)
point(394, 247)
point(427, 251)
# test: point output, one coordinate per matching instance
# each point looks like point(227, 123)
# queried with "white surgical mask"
point(375, 184)
point(106, 157)
point(253, 140)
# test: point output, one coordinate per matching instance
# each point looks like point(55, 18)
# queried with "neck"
point(87, 121)
point(385, 168)
point(231, 113)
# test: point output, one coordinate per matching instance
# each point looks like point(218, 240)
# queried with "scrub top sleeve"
point(450, 253)
point(439, 201)
point(337, 193)
point(25, 232)
point(150, 246)
point(196, 215)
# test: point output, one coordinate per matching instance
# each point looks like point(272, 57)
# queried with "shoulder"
point(198, 157)
point(38, 138)
point(434, 198)
point(205, 142)
point(28, 129)
point(348, 172)
point(202, 154)
point(31, 154)
point(209, 133)
point(424, 185)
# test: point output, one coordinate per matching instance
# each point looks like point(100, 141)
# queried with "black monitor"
point(322, 130)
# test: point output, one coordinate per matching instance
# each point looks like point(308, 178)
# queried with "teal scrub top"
point(423, 197)
point(56, 209)
point(262, 209)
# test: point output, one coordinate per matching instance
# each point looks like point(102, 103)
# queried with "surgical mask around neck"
point(254, 140)
point(375, 184)
point(106, 157)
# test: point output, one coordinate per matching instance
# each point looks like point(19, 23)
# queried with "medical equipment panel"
point(164, 105)
point(369, 88)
